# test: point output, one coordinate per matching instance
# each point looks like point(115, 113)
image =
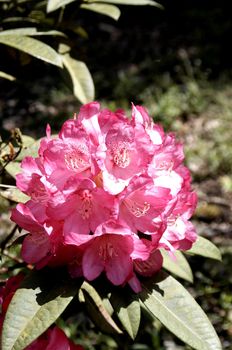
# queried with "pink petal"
point(135, 284)
point(141, 249)
point(118, 269)
point(92, 265)
point(22, 216)
point(35, 247)
point(74, 227)
point(88, 117)
point(57, 340)
point(150, 266)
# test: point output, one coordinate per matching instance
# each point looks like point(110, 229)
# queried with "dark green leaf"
point(178, 265)
point(34, 307)
point(97, 308)
point(204, 247)
point(127, 308)
point(32, 47)
point(166, 299)
point(105, 9)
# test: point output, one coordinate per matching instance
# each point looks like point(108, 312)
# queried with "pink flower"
point(88, 117)
point(141, 117)
point(7, 292)
point(150, 266)
point(53, 339)
point(126, 153)
point(108, 119)
point(142, 203)
point(31, 168)
point(164, 165)
point(69, 155)
point(44, 245)
point(106, 194)
point(84, 208)
point(180, 233)
point(111, 249)
point(30, 217)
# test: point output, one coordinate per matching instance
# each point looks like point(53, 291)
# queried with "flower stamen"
point(137, 209)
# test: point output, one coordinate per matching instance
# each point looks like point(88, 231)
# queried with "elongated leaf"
point(97, 309)
point(27, 140)
point(13, 168)
point(19, 31)
point(21, 19)
point(167, 300)
point(50, 32)
point(128, 311)
point(32, 310)
point(53, 5)
point(129, 2)
point(30, 31)
point(23, 142)
point(29, 150)
point(33, 47)
point(105, 9)
point(204, 247)
point(15, 237)
point(7, 76)
point(180, 266)
point(30, 147)
point(83, 87)
point(15, 195)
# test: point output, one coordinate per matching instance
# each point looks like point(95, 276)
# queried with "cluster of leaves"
point(43, 30)
point(44, 295)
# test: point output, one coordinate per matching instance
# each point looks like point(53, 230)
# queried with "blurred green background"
point(177, 63)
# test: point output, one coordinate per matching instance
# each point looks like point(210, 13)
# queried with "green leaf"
point(204, 247)
point(127, 308)
point(129, 2)
point(30, 31)
point(97, 309)
point(22, 141)
point(53, 5)
point(180, 266)
point(32, 47)
point(6, 76)
point(15, 195)
point(83, 87)
point(166, 299)
point(29, 150)
point(33, 309)
point(19, 31)
point(13, 168)
point(105, 9)
point(50, 32)
point(30, 147)
point(27, 140)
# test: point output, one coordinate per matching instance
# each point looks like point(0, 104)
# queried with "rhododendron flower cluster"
point(106, 194)
point(53, 339)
